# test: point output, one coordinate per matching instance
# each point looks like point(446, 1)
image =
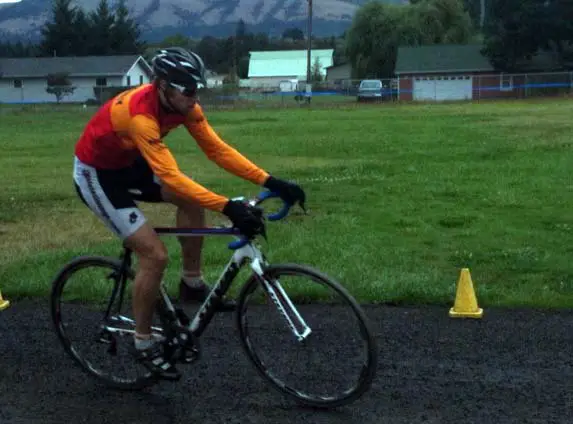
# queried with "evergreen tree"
point(210, 48)
point(83, 31)
point(517, 29)
point(125, 33)
point(60, 35)
point(17, 49)
point(102, 29)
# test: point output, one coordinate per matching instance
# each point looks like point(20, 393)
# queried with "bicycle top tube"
point(228, 231)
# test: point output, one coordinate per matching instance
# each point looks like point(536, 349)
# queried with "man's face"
point(179, 98)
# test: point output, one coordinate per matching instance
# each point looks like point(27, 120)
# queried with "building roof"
point(30, 67)
point(286, 63)
point(442, 58)
point(340, 65)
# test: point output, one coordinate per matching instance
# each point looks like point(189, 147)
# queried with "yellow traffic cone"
point(3, 303)
point(465, 305)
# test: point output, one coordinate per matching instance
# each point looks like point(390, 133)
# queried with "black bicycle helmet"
point(179, 66)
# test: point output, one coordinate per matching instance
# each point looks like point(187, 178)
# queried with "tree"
point(102, 29)
point(477, 9)
point(59, 85)
point(244, 40)
point(339, 55)
point(209, 48)
point(17, 49)
point(60, 35)
point(293, 34)
point(559, 25)
point(315, 71)
point(243, 67)
point(228, 59)
point(516, 31)
point(441, 21)
point(241, 30)
point(371, 40)
point(178, 40)
point(125, 33)
point(378, 29)
point(72, 32)
point(83, 34)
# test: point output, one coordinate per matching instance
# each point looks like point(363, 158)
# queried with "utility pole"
point(309, 48)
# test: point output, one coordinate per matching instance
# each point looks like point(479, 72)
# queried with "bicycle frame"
point(244, 251)
point(242, 255)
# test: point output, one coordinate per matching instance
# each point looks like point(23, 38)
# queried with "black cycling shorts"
point(111, 194)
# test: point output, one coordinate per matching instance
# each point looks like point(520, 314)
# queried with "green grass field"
point(400, 197)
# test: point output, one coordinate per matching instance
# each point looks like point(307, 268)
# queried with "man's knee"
point(149, 249)
point(153, 261)
point(157, 256)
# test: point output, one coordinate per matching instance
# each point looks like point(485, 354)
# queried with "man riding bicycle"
point(121, 158)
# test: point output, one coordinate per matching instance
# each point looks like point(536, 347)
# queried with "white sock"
point(143, 341)
point(192, 280)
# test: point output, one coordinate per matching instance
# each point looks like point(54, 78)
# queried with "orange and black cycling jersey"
point(134, 124)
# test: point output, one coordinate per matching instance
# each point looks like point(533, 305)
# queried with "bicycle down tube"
point(207, 310)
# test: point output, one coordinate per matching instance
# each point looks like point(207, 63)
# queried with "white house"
point(269, 68)
point(24, 80)
point(214, 79)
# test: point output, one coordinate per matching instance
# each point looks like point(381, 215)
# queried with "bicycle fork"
point(283, 303)
point(280, 298)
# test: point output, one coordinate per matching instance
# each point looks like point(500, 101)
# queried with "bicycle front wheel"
point(89, 303)
point(313, 344)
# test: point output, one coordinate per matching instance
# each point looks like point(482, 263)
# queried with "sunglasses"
point(186, 91)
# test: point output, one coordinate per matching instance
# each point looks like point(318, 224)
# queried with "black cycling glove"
point(247, 219)
point(288, 191)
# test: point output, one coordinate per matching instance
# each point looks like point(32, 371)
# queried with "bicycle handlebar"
point(237, 244)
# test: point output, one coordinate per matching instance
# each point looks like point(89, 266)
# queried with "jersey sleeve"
point(220, 152)
point(144, 131)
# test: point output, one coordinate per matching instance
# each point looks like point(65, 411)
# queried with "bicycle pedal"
point(189, 356)
point(189, 350)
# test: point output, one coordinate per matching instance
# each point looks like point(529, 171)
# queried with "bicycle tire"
point(369, 371)
point(58, 285)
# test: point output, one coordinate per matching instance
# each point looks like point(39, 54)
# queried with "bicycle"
point(181, 333)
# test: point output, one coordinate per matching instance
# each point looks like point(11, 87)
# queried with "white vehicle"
point(288, 85)
point(370, 90)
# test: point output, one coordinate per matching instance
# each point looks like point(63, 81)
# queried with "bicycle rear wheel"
point(335, 325)
point(91, 330)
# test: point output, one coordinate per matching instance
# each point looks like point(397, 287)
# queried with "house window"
point(141, 79)
point(128, 80)
point(101, 82)
point(18, 83)
point(506, 82)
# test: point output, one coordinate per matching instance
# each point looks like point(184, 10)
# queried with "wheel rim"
point(102, 350)
point(324, 373)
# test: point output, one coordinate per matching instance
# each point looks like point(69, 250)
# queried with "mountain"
point(197, 18)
